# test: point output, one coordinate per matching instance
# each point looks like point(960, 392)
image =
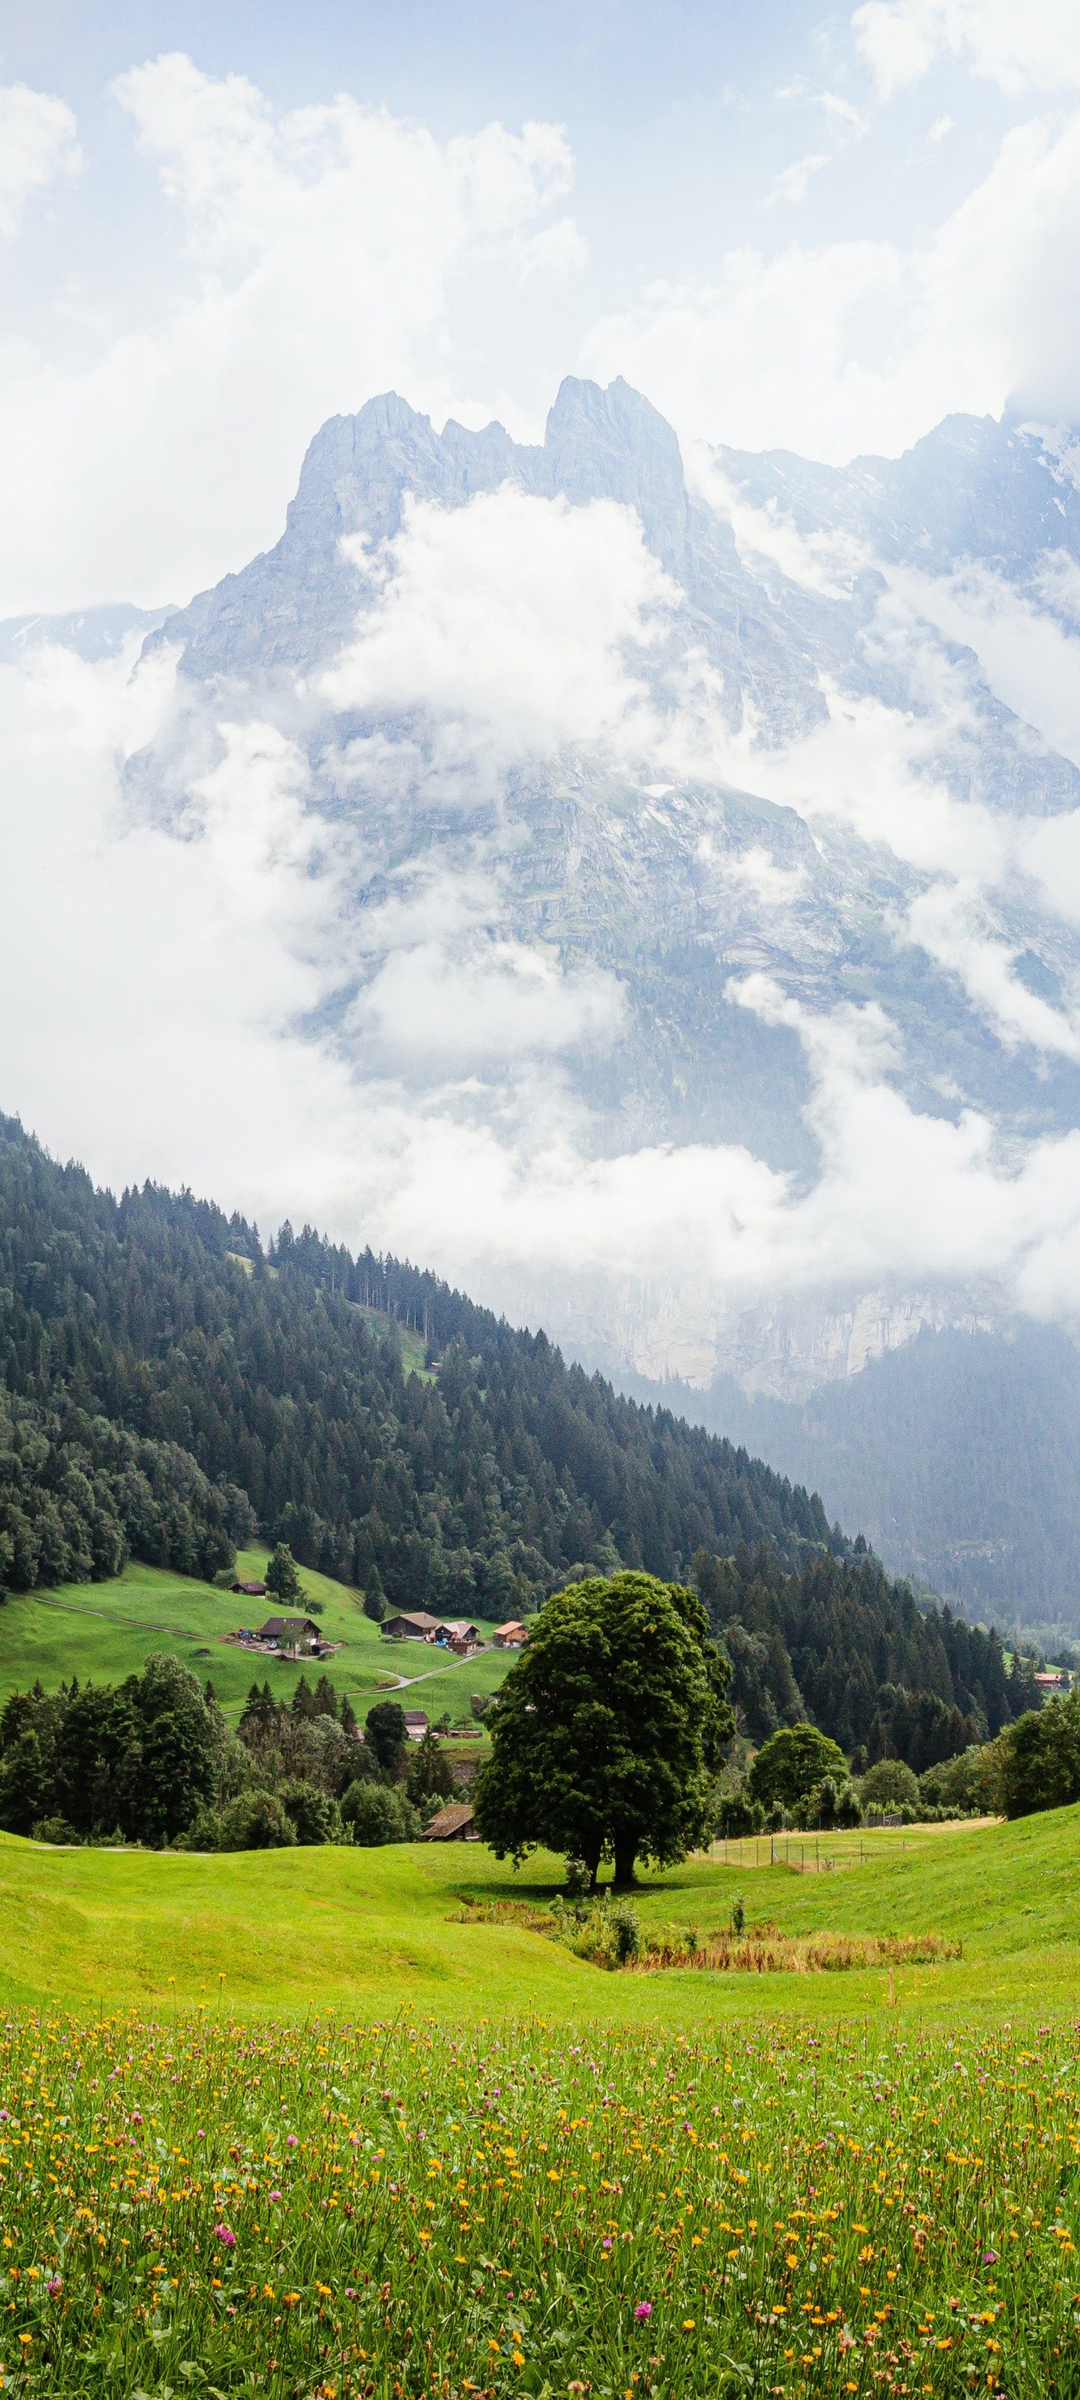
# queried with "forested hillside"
point(837, 1641)
point(956, 1455)
point(164, 1384)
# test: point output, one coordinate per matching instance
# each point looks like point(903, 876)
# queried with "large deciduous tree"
point(608, 1729)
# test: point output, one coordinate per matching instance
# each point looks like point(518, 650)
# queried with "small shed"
point(251, 1591)
point(511, 1635)
point(454, 1823)
point(416, 1724)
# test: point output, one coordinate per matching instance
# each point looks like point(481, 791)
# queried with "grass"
point(371, 1930)
point(326, 2141)
point(341, 2211)
point(104, 1631)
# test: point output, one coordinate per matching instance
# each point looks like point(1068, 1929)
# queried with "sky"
point(220, 226)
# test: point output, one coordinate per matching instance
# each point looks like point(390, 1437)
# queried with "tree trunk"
point(625, 1854)
point(591, 1859)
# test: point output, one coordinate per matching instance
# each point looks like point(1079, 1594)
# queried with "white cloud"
point(447, 1014)
point(863, 345)
point(1030, 660)
point(318, 249)
point(1036, 46)
point(510, 623)
point(793, 183)
point(163, 988)
point(37, 143)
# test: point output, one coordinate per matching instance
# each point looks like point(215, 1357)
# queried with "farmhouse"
point(511, 1635)
point(290, 1633)
point(251, 1591)
point(416, 1724)
point(455, 1630)
point(454, 1823)
point(414, 1626)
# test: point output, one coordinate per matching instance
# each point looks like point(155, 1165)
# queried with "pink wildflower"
point(225, 2234)
point(643, 2310)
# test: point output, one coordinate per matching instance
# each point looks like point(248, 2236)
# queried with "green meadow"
point(372, 1930)
point(284, 2123)
point(343, 2124)
point(104, 1631)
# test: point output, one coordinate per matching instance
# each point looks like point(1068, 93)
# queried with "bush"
point(253, 1821)
point(625, 1932)
point(738, 1815)
point(789, 1766)
point(375, 1813)
point(225, 1579)
point(313, 1816)
point(966, 1786)
point(54, 1829)
point(848, 1811)
point(889, 1786)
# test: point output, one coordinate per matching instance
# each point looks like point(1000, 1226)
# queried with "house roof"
point(414, 1616)
point(415, 1716)
point(512, 1625)
point(285, 1629)
point(450, 1820)
point(458, 1625)
point(251, 1591)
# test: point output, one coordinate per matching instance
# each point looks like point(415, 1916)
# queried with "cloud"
point(37, 143)
point(317, 250)
point(861, 344)
point(1037, 46)
point(440, 1014)
point(166, 986)
point(793, 183)
point(511, 624)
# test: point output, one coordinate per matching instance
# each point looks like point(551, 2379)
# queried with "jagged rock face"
point(797, 601)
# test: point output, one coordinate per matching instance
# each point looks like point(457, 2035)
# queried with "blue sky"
point(816, 230)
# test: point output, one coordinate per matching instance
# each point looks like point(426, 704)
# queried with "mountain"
point(164, 1383)
point(694, 827)
point(957, 1454)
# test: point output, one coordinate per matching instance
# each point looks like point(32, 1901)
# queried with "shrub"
point(375, 1813)
point(788, 1767)
point(848, 1811)
point(313, 1816)
point(625, 1931)
point(738, 1815)
point(253, 1821)
point(54, 1829)
point(888, 1786)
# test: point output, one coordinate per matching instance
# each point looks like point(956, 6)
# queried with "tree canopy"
point(792, 1763)
point(165, 1381)
point(608, 1728)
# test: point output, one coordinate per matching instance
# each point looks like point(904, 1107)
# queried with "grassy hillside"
point(104, 1631)
point(374, 1930)
point(360, 2149)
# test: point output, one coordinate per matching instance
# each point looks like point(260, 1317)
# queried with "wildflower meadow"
point(327, 2211)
